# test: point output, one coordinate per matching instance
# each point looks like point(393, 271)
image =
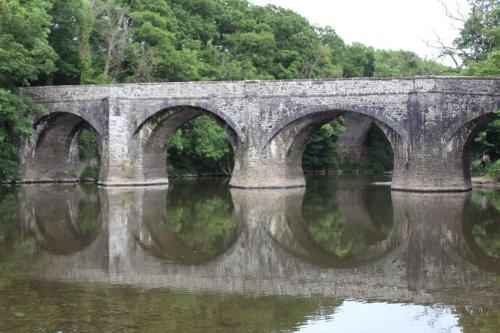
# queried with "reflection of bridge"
point(428, 120)
point(423, 255)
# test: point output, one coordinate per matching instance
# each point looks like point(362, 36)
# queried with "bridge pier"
point(353, 141)
point(434, 156)
point(254, 170)
point(430, 168)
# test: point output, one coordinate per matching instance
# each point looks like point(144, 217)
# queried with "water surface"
point(341, 255)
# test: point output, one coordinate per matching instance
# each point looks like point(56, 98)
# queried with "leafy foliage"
point(494, 171)
point(89, 154)
point(25, 55)
point(380, 154)
point(480, 34)
point(201, 146)
point(321, 151)
point(405, 63)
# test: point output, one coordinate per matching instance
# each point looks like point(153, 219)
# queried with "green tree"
point(359, 61)
point(25, 55)
point(65, 38)
point(321, 150)
point(200, 146)
point(480, 34)
point(405, 63)
point(478, 45)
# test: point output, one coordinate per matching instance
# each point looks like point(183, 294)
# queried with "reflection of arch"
point(54, 156)
point(296, 238)
point(155, 132)
point(157, 238)
point(64, 220)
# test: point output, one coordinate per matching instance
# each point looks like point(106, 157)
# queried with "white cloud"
point(384, 24)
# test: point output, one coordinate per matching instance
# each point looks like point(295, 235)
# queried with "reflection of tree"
point(197, 225)
point(487, 236)
point(8, 207)
point(333, 233)
point(88, 213)
point(478, 319)
point(344, 218)
point(203, 224)
point(18, 251)
point(486, 214)
point(485, 199)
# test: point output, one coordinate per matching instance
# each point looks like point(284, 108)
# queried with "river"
point(341, 255)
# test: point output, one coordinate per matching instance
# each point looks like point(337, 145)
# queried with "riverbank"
point(485, 182)
point(480, 182)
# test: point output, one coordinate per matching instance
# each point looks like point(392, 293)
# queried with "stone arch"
point(469, 125)
point(206, 106)
point(51, 155)
point(288, 143)
point(459, 137)
point(155, 132)
point(354, 140)
point(334, 112)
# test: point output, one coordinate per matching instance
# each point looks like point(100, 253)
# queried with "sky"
point(383, 24)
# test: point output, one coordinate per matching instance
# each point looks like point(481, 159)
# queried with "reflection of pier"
point(422, 256)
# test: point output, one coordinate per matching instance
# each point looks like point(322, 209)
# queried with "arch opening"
point(187, 141)
point(351, 143)
point(310, 144)
point(66, 149)
point(481, 146)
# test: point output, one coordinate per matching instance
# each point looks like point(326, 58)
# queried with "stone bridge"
point(429, 122)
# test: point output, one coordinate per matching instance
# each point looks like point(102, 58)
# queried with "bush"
point(90, 172)
point(494, 171)
point(9, 161)
point(350, 163)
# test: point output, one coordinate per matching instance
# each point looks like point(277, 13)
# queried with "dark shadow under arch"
point(54, 156)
